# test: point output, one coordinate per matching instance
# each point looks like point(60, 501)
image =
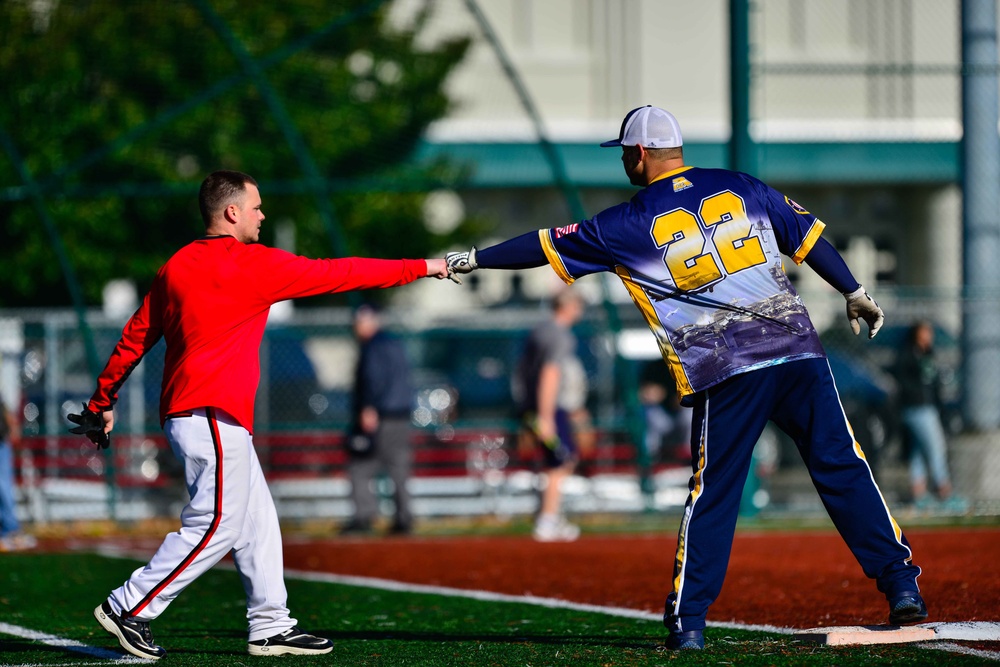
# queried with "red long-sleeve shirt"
point(210, 302)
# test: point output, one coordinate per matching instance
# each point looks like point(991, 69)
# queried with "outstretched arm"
point(521, 252)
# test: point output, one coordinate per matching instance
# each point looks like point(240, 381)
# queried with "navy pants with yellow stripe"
point(728, 418)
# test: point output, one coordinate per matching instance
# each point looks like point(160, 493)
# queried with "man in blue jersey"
point(699, 251)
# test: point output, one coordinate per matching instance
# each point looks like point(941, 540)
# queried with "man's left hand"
point(860, 304)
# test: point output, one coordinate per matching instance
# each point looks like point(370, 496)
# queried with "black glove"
point(91, 424)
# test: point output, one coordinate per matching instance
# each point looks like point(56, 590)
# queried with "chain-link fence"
point(464, 417)
point(853, 70)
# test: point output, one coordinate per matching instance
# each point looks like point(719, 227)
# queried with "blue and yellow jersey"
point(699, 250)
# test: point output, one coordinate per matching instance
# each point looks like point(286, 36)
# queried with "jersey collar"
point(670, 173)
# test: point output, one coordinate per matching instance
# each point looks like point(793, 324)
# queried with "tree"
point(166, 87)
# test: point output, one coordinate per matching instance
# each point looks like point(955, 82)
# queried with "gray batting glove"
point(860, 304)
point(461, 262)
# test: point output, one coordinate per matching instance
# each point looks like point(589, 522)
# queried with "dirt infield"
point(798, 580)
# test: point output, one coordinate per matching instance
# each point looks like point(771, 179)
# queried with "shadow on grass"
point(186, 636)
point(487, 638)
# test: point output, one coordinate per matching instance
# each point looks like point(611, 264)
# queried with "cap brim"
point(612, 143)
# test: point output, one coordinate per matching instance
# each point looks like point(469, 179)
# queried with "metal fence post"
point(981, 180)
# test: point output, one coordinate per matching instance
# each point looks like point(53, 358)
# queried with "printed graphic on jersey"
point(709, 279)
point(795, 207)
point(740, 330)
point(681, 183)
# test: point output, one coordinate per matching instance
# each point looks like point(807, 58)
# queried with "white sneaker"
point(555, 530)
point(17, 542)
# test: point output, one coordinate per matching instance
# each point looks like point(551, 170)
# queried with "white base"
point(893, 634)
point(865, 634)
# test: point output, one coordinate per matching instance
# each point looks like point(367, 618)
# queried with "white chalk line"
point(485, 596)
point(104, 654)
point(951, 647)
point(489, 596)
point(60, 664)
point(553, 603)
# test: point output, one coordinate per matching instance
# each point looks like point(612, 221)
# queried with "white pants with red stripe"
point(231, 510)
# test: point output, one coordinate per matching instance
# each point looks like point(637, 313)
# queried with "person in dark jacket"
point(380, 436)
point(919, 397)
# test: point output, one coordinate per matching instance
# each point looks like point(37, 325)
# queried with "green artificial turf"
point(206, 626)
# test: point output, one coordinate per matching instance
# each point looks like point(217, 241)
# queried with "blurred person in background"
point(552, 390)
point(920, 397)
point(380, 436)
point(11, 537)
point(667, 422)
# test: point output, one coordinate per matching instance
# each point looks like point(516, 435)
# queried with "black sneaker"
point(401, 528)
point(292, 642)
point(907, 608)
point(133, 635)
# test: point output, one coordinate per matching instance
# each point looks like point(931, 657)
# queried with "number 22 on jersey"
point(720, 225)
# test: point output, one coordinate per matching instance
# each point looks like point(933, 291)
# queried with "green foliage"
point(119, 110)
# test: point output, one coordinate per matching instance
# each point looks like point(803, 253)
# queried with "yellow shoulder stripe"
point(555, 261)
point(809, 241)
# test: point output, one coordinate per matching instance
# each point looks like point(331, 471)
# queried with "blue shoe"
point(906, 608)
point(684, 641)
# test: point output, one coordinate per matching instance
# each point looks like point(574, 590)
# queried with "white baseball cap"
point(649, 127)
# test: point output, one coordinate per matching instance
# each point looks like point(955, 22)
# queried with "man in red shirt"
point(210, 303)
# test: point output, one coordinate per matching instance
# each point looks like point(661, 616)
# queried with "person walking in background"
point(380, 437)
point(11, 537)
point(210, 303)
point(699, 251)
point(920, 397)
point(552, 388)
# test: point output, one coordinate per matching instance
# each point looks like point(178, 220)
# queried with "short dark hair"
point(665, 153)
point(218, 191)
point(368, 309)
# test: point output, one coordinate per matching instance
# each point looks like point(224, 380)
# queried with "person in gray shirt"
point(553, 390)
